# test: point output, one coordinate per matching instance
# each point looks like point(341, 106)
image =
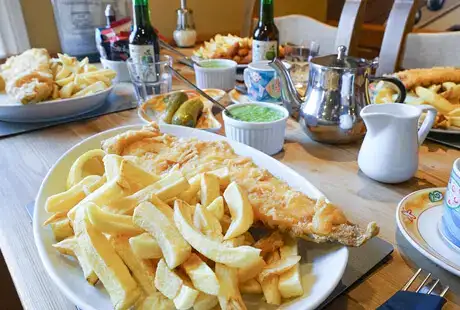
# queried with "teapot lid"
point(341, 60)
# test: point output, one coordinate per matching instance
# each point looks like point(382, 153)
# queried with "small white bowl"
point(120, 67)
point(221, 78)
point(267, 137)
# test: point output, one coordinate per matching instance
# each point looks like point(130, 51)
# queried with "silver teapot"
point(338, 88)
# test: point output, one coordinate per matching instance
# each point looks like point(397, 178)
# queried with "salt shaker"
point(185, 34)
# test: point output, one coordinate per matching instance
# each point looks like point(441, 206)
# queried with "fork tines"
point(422, 284)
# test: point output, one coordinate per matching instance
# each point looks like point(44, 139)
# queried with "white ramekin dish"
point(120, 67)
point(221, 78)
point(267, 137)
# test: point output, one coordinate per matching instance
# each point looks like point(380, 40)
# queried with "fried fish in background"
point(428, 76)
point(28, 77)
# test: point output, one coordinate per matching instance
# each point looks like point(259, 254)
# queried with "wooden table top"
point(25, 159)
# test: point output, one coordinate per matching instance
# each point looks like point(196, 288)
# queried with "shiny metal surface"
point(334, 99)
point(185, 19)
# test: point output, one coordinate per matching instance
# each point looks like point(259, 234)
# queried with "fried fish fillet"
point(275, 204)
point(425, 77)
point(28, 77)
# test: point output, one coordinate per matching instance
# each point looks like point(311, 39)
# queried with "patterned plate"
point(418, 216)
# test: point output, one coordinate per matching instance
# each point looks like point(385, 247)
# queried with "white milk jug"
point(389, 152)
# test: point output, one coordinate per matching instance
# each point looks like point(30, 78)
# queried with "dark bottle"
point(109, 15)
point(266, 38)
point(143, 41)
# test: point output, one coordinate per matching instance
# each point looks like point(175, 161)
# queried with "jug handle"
point(394, 81)
point(427, 122)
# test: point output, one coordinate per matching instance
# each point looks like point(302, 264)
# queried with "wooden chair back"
point(299, 28)
point(399, 24)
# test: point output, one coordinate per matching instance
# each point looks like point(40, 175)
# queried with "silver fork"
point(419, 288)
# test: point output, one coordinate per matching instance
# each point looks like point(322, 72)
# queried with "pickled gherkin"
point(188, 113)
point(173, 102)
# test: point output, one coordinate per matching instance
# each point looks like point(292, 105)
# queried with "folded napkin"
point(405, 300)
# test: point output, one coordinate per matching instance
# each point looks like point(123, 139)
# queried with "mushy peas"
point(256, 113)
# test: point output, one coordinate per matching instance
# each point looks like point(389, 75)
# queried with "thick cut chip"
point(210, 188)
point(235, 257)
point(190, 194)
point(250, 287)
point(229, 293)
point(134, 177)
point(167, 281)
point(102, 196)
point(279, 267)
point(112, 224)
point(65, 201)
point(205, 302)
point(207, 223)
point(217, 207)
point(156, 301)
point(186, 297)
point(112, 164)
point(142, 270)
point(61, 229)
point(202, 276)
point(290, 284)
point(158, 221)
point(105, 262)
point(251, 271)
point(240, 209)
point(270, 284)
point(145, 246)
point(67, 246)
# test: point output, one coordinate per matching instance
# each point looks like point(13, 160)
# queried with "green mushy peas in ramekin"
point(256, 113)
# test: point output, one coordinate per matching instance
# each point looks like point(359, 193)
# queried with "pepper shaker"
point(185, 34)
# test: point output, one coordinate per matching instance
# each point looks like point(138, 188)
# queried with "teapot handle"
point(394, 81)
point(427, 122)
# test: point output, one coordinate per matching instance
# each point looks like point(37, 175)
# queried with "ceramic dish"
point(418, 217)
point(237, 97)
point(152, 109)
point(322, 266)
point(12, 111)
point(267, 137)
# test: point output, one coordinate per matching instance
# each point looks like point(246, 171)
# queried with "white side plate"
point(11, 111)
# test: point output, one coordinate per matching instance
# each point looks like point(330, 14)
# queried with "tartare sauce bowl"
point(222, 76)
point(267, 137)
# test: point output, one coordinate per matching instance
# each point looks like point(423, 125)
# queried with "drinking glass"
point(150, 78)
point(298, 56)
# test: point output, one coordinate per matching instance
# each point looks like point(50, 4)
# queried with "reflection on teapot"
point(337, 91)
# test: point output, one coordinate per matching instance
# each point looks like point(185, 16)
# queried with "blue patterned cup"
point(450, 223)
point(262, 82)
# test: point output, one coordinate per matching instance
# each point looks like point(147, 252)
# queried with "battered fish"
point(28, 77)
point(429, 76)
point(275, 204)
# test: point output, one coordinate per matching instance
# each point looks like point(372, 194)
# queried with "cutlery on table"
point(422, 298)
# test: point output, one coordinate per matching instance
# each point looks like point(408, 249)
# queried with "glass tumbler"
point(298, 56)
point(150, 78)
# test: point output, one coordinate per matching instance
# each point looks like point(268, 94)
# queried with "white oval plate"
point(418, 216)
point(11, 111)
point(322, 266)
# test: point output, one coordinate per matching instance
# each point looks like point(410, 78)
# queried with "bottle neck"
point(266, 12)
point(141, 14)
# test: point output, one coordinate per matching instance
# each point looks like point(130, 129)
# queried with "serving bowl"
point(267, 137)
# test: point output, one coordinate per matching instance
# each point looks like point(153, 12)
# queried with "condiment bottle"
point(185, 34)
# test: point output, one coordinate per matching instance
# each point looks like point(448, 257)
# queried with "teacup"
point(450, 223)
point(262, 82)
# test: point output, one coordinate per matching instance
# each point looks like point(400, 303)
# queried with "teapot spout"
point(289, 95)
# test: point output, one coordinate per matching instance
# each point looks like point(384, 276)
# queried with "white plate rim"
point(51, 102)
point(421, 249)
point(82, 303)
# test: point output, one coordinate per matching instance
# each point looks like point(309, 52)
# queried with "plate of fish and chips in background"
point(34, 87)
point(437, 86)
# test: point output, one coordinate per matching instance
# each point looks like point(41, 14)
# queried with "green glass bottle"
point(143, 41)
point(266, 37)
